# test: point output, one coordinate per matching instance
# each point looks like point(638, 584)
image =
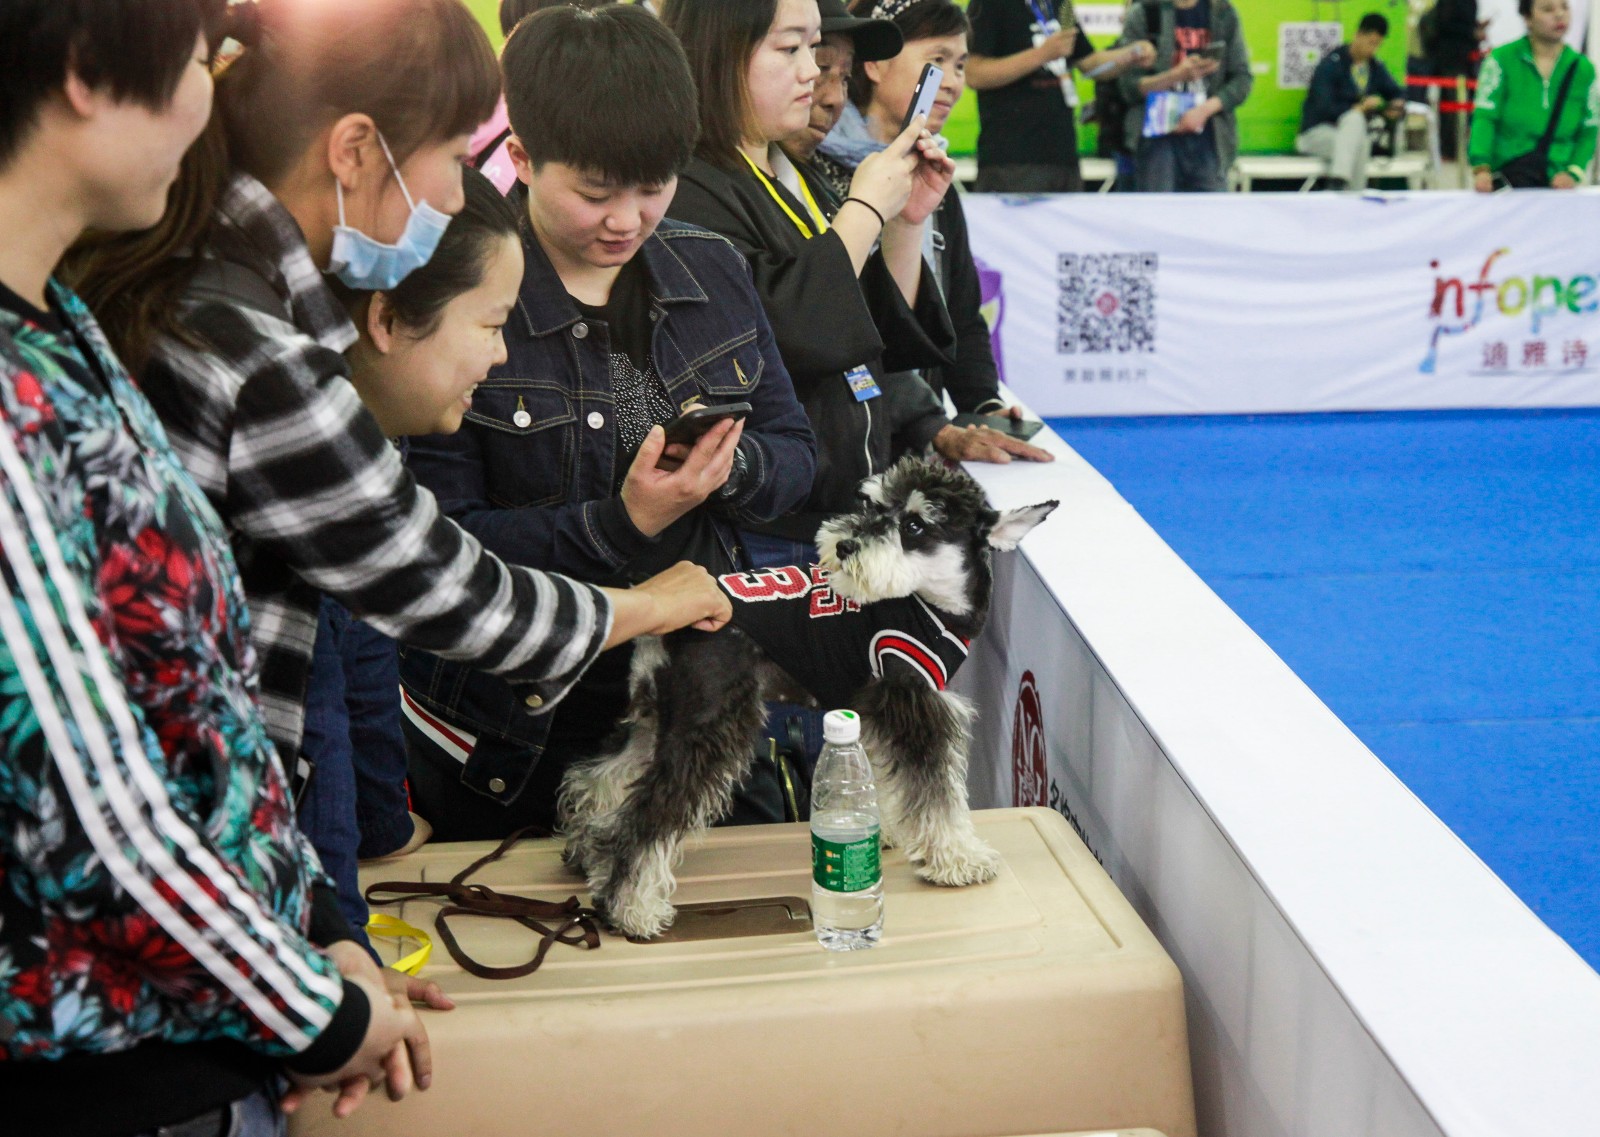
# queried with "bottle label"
point(845, 866)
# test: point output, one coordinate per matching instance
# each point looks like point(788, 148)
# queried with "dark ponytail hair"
point(423, 69)
point(718, 37)
point(458, 266)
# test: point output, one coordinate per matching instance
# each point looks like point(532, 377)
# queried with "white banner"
point(1242, 303)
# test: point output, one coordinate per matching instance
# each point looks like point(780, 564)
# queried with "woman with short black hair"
point(624, 320)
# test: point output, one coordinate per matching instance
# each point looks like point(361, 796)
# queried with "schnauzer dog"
point(879, 626)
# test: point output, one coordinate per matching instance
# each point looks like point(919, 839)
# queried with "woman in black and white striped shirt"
point(335, 161)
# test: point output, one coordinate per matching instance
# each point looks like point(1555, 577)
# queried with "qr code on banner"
point(1301, 47)
point(1107, 302)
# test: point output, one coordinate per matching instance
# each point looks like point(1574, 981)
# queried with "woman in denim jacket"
point(622, 322)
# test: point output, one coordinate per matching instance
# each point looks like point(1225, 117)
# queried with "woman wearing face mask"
point(424, 346)
point(934, 32)
point(322, 157)
point(161, 919)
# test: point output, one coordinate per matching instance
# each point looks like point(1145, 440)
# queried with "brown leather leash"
point(555, 922)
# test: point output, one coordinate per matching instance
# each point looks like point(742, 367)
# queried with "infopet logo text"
point(1461, 304)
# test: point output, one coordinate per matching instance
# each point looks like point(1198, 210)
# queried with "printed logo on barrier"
point(1029, 779)
point(1106, 306)
point(1526, 324)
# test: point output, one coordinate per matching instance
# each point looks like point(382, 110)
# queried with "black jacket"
point(826, 322)
point(972, 379)
point(1333, 89)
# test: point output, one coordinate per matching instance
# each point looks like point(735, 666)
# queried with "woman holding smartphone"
point(851, 304)
point(935, 35)
point(623, 322)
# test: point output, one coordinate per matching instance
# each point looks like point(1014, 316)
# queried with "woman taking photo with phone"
point(623, 322)
point(935, 35)
point(850, 303)
point(169, 951)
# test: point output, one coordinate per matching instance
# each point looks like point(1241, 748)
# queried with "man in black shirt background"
point(1023, 54)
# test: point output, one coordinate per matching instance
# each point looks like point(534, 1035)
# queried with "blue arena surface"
point(1435, 578)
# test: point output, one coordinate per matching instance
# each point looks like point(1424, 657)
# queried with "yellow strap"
point(819, 222)
point(394, 928)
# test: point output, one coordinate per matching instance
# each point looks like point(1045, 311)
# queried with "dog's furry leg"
point(593, 790)
point(710, 712)
point(917, 738)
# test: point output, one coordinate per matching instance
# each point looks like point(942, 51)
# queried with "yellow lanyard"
point(819, 222)
point(393, 928)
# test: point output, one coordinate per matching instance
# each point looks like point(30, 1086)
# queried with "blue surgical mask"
point(371, 266)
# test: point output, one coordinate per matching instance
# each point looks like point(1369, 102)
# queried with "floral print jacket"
point(153, 884)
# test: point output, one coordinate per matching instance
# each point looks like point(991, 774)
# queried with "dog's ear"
point(1015, 524)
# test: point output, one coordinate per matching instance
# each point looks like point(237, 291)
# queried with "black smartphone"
point(922, 98)
point(692, 423)
point(1022, 429)
point(1214, 51)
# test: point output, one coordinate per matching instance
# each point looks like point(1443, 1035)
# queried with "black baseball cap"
point(875, 39)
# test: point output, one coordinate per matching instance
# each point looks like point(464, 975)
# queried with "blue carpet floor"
point(1435, 578)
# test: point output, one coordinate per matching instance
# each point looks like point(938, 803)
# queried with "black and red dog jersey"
point(833, 646)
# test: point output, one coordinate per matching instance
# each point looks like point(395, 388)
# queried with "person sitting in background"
point(934, 32)
point(169, 946)
point(425, 344)
point(1538, 110)
point(1182, 105)
point(1349, 86)
point(623, 322)
point(1023, 56)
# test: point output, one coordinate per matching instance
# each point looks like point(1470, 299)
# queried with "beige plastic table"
point(1036, 1003)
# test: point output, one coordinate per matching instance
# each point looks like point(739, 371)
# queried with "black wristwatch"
point(736, 476)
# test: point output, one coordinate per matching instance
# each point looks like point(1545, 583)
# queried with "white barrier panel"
point(1126, 304)
point(1352, 969)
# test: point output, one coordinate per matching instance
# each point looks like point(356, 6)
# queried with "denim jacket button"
point(596, 419)
point(497, 785)
point(533, 702)
point(580, 330)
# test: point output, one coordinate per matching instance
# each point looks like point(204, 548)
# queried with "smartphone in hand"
point(1022, 429)
point(687, 428)
point(922, 98)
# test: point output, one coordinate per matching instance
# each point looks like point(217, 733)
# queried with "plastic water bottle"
point(846, 874)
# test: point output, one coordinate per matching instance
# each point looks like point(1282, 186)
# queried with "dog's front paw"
point(637, 916)
point(971, 862)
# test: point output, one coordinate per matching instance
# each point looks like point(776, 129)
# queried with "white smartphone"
point(927, 91)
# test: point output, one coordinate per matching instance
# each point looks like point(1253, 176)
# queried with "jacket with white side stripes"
point(264, 416)
point(154, 888)
point(832, 646)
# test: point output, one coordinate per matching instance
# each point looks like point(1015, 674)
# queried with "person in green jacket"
point(1517, 91)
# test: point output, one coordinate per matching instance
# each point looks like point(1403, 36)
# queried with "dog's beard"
point(878, 570)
